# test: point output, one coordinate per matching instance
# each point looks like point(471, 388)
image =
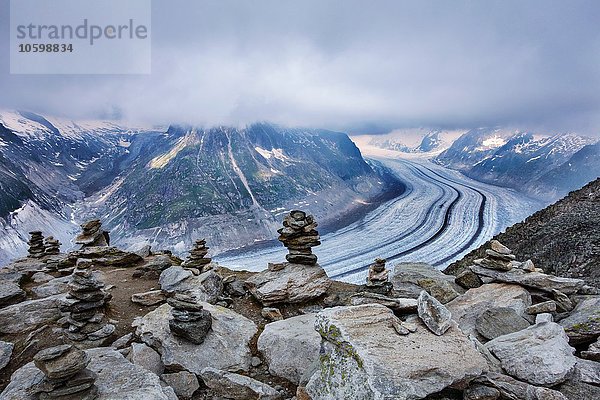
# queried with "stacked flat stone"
point(36, 245)
point(190, 320)
point(378, 277)
point(299, 236)
point(51, 246)
point(92, 235)
point(498, 257)
point(86, 321)
point(197, 255)
point(65, 375)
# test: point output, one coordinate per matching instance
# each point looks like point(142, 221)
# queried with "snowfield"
point(439, 218)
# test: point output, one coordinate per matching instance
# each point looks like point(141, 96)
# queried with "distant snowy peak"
point(513, 158)
point(418, 140)
point(28, 125)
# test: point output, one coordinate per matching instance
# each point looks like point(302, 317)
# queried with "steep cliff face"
point(563, 238)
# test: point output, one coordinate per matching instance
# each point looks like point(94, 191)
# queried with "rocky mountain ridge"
point(501, 330)
point(544, 166)
point(562, 239)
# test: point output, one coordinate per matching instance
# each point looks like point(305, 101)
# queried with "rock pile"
point(299, 236)
point(65, 374)
point(190, 320)
point(86, 323)
point(197, 255)
point(378, 278)
point(51, 246)
point(36, 245)
point(92, 235)
point(498, 257)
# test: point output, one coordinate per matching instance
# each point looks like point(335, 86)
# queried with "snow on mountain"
point(418, 140)
point(513, 158)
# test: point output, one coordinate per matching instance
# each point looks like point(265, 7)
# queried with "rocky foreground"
point(102, 323)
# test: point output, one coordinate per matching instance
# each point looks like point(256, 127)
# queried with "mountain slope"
point(167, 188)
point(191, 182)
point(519, 160)
point(563, 238)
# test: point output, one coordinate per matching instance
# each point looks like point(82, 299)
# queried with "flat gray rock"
point(535, 280)
point(225, 347)
point(10, 293)
point(468, 307)
point(150, 298)
point(290, 346)
point(237, 387)
point(29, 315)
point(363, 357)
point(499, 321)
point(184, 383)
point(583, 325)
point(6, 349)
point(53, 287)
point(294, 283)
point(539, 355)
point(171, 277)
point(406, 277)
point(117, 379)
point(398, 304)
point(145, 357)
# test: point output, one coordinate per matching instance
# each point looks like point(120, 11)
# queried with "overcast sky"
point(358, 65)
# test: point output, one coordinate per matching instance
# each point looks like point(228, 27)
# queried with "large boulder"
point(237, 387)
point(117, 378)
point(499, 321)
point(363, 357)
point(583, 325)
point(225, 347)
point(29, 315)
point(539, 355)
point(468, 307)
point(410, 278)
point(536, 280)
point(289, 283)
point(290, 346)
point(207, 286)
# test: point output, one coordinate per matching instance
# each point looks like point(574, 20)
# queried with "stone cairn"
point(498, 257)
point(197, 255)
point(92, 235)
point(51, 246)
point(190, 320)
point(378, 278)
point(86, 323)
point(36, 245)
point(65, 374)
point(299, 236)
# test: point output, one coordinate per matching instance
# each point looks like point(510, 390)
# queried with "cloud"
point(345, 64)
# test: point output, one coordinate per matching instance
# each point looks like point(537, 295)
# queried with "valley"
point(441, 216)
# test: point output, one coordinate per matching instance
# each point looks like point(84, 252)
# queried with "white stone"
point(290, 346)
